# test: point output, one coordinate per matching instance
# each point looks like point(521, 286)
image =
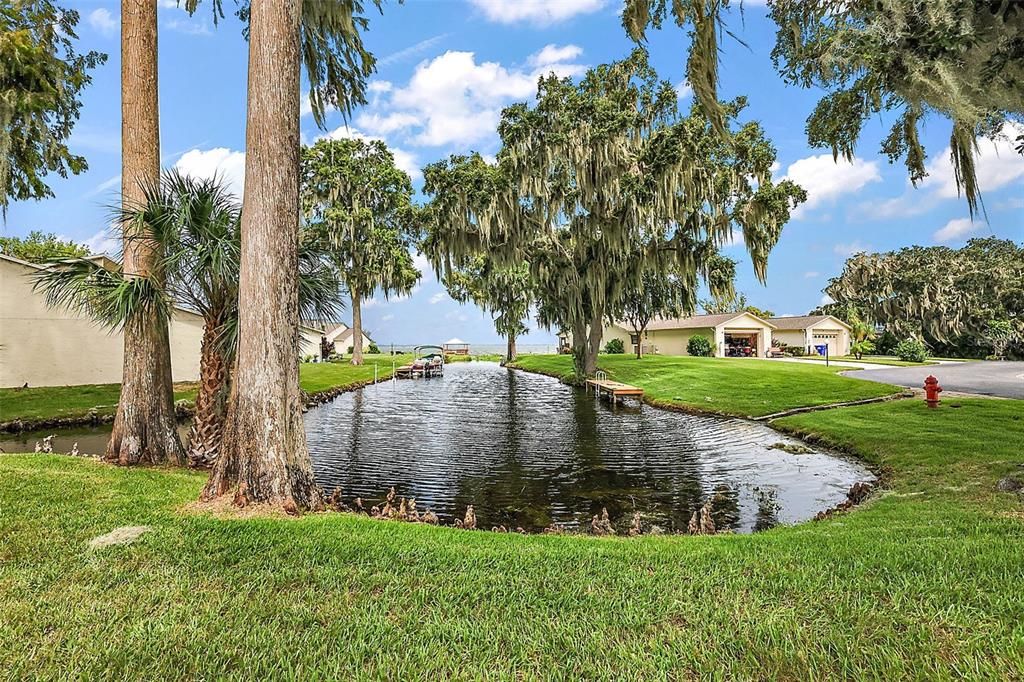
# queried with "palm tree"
point(264, 457)
point(196, 226)
point(145, 429)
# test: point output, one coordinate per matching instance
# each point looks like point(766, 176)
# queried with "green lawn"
point(76, 401)
point(732, 386)
point(873, 359)
point(924, 581)
point(48, 402)
point(326, 375)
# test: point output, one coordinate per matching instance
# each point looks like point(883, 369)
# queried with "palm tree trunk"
point(357, 326)
point(211, 400)
point(145, 429)
point(263, 456)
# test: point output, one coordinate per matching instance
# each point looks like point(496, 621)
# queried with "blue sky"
point(445, 70)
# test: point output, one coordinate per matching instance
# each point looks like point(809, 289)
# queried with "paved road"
point(1005, 379)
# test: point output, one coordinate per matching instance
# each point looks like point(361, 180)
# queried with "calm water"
point(528, 451)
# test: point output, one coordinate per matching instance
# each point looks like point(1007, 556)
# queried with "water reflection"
point(528, 451)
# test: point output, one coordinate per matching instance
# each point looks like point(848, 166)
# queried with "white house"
point(808, 331)
point(729, 333)
point(42, 346)
point(343, 337)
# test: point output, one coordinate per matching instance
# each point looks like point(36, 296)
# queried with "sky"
point(445, 70)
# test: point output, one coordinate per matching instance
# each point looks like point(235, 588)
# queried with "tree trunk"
point(639, 343)
point(211, 400)
point(579, 348)
point(145, 429)
point(594, 344)
point(263, 457)
point(510, 349)
point(357, 326)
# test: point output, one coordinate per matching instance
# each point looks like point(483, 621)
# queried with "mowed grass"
point(924, 581)
point(48, 402)
point(733, 386)
point(322, 376)
point(75, 401)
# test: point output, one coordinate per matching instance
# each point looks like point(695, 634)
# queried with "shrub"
point(796, 351)
point(862, 348)
point(373, 349)
point(699, 346)
point(348, 350)
point(615, 347)
point(886, 343)
point(911, 350)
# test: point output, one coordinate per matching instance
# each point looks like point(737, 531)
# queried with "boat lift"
point(429, 363)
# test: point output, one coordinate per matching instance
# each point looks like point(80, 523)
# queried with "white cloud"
point(414, 49)
point(998, 165)
point(906, 206)
point(826, 299)
point(811, 274)
point(684, 89)
point(189, 26)
point(957, 228)
point(108, 184)
point(227, 164)
point(540, 12)
point(452, 99)
point(104, 242)
point(437, 298)
point(847, 250)
point(826, 180)
point(553, 54)
point(103, 21)
point(387, 318)
point(1012, 204)
point(403, 159)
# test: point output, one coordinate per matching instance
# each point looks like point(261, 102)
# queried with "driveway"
point(1004, 379)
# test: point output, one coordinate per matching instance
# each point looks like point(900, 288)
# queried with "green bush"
point(911, 350)
point(374, 349)
point(862, 348)
point(699, 346)
point(615, 347)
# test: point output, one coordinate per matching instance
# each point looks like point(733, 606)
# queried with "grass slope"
point(725, 385)
point(923, 582)
point(75, 401)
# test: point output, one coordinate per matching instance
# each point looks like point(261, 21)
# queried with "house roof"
point(804, 321)
point(456, 341)
point(701, 321)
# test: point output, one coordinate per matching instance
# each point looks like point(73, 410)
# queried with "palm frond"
point(106, 296)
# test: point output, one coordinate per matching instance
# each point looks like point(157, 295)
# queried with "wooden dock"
point(613, 390)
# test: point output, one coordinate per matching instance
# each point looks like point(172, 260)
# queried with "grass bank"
point(32, 405)
point(922, 582)
point(733, 386)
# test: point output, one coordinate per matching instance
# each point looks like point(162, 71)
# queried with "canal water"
point(527, 451)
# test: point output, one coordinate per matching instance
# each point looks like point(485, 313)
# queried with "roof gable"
point(806, 321)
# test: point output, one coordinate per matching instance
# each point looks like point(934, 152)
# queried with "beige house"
point(808, 331)
point(735, 334)
point(41, 346)
point(343, 338)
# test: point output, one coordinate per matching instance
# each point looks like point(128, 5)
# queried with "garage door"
point(828, 339)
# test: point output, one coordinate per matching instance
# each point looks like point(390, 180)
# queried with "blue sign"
point(822, 349)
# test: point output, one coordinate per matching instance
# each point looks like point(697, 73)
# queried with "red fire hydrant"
point(932, 391)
